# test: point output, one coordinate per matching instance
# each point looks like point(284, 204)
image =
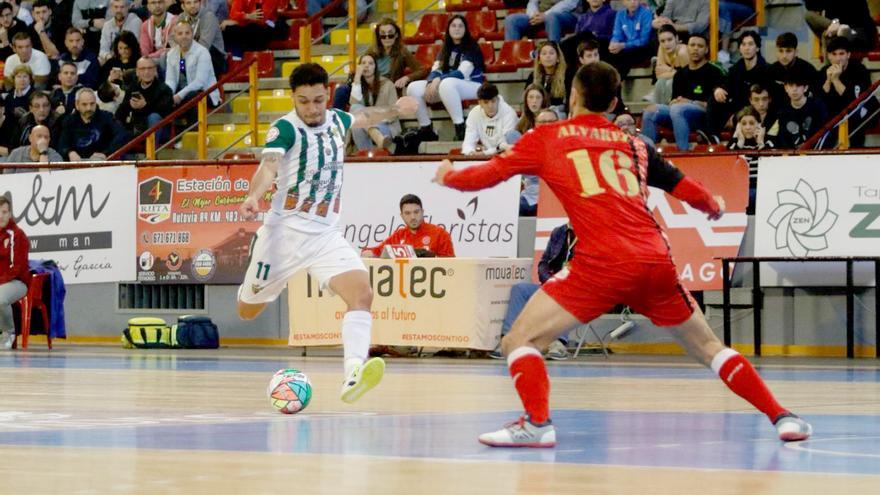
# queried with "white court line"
point(799, 446)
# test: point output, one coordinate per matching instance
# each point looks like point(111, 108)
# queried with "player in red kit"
point(601, 175)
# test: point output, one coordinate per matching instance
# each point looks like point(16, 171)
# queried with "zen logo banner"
point(695, 240)
point(821, 205)
point(82, 219)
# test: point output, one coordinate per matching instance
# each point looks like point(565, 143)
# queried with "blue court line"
point(142, 361)
point(842, 444)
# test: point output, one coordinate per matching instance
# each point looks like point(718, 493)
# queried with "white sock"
point(356, 333)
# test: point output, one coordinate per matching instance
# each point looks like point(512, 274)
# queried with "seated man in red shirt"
point(427, 239)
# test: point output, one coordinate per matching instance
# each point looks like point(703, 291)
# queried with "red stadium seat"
point(427, 54)
point(265, 66)
point(285, 12)
point(465, 5)
point(33, 300)
point(488, 52)
point(513, 55)
point(431, 29)
point(484, 24)
point(292, 41)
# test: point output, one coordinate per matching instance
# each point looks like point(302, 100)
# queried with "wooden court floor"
point(95, 420)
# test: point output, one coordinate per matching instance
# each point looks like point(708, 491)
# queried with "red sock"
point(531, 381)
point(740, 376)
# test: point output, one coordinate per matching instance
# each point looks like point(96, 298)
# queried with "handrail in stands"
point(305, 32)
point(842, 119)
point(149, 136)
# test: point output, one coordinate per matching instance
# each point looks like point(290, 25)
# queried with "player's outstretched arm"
point(260, 183)
point(372, 116)
point(664, 175)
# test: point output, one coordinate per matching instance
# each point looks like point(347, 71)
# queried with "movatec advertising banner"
point(820, 205)
point(81, 219)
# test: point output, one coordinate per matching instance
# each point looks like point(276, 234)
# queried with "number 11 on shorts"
point(262, 270)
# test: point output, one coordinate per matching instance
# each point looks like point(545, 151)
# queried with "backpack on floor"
point(195, 332)
point(146, 332)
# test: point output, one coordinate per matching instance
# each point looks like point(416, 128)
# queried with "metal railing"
point(148, 137)
point(714, 33)
point(841, 121)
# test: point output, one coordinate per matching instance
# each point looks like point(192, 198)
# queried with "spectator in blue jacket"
point(631, 40)
point(455, 76)
point(595, 23)
point(87, 67)
point(554, 16)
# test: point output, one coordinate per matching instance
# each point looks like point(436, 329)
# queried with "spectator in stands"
point(627, 123)
point(8, 131)
point(251, 26)
point(455, 76)
point(588, 53)
point(731, 13)
point(25, 54)
point(392, 58)
point(671, 55)
point(189, 67)
point(121, 20)
point(125, 52)
point(528, 196)
point(49, 28)
point(146, 102)
point(801, 115)
point(845, 81)
point(372, 90)
point(15, 276)
point(89, 17)
point(220, 9)
point(535, 99)
point(206, 31)
point(595, 23)
point(10, 26)
point(86, 61)
point(554, 16)
point(691, 90)
point(488, 123)
point(90, 133)
point(110, 95)
point(851, 19)
point(733, 93)
point(749, 134)
point(687, 16)
point(427, 239)
point(64, 96)
point(39, 113)
point(549, 72)
point(631, 40)
point(787, 61)
point(38, 149)
point(22, 87)
point(760, 102)
point(156, 32)
point(559, 250)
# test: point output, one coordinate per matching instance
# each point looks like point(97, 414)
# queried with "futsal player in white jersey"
point(303, 157)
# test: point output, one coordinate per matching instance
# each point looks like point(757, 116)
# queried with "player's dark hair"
point(598, 85)
point(487, 91)
point(787, 40)
point(837, 43)
point(410, 199)
point(308, 74)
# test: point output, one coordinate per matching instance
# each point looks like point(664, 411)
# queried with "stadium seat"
point(292, 41)
point(265, 66)
point(464, 5)
point(431, 29)
point(484, 22)
point(488, 52)
point(285, 12)
point(426, 54)
point(33, 300)
point(513, 55)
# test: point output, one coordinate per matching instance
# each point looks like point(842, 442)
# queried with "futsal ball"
point(289, 391)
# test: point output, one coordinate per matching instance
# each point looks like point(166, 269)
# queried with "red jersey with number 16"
point(601, 176)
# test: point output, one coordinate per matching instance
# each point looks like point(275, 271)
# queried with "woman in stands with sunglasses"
point(392, 58)
point(456, 76)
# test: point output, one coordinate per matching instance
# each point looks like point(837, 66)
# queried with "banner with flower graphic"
point(810, 206)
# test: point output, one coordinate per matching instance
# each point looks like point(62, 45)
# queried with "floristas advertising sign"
point(81, 219)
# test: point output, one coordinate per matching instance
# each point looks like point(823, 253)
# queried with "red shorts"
point(589, 289)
